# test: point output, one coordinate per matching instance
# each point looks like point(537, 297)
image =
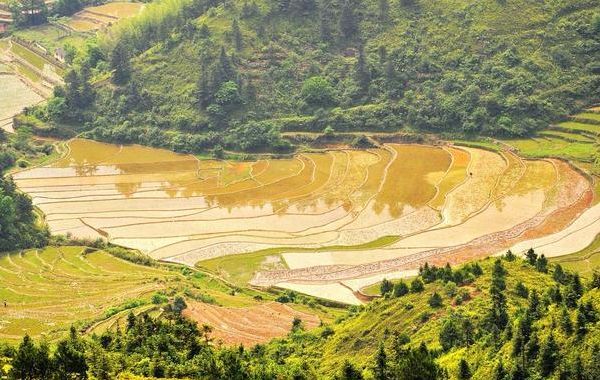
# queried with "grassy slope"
point(102, 290)
point(357, 338)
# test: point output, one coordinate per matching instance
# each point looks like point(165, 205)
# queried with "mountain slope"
point(202, 68)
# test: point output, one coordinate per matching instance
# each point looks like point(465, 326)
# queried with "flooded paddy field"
point(326, 223)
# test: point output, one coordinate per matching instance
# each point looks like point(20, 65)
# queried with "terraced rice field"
point(249, 325)
point(575, 139)
point(325, 224)
point(14, 96)
point(101, 16)
point(48, 290)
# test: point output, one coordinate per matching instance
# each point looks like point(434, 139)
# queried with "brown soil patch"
point(248, 325)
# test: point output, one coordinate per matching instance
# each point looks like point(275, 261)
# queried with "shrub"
point(450, 289)
point(400, 289)
point(521, 290)
point(462, 296)
point(417, 286)
point(159, 298)
point(317, 91)
point(435, 300)
point(386, 286)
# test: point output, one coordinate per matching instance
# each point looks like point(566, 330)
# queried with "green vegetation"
point(473, 322)
point(574, 140)
point(192, 75)
point(111, 282)
point(51, 37)
point(18, 225)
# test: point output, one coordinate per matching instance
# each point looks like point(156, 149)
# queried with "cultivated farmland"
point(47, 290)
point(325, 224)
point(93, 18)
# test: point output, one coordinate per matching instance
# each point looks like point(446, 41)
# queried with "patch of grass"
point(572, 137)
point(576, 127)
point(51, 37)
point(593, 117)
point(34, 59)
point(488, 145)
point(553, 147)
point(357, 339)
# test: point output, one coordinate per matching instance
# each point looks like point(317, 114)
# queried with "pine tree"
point(386, 286)
point(86, 89)
point(531, 256)
point(23, 364)
point(595, 282)
point(400, 289)
point(580, 322)
point(237, 35)
point(464, 372)
point(498, 314)
point(533, 308)
point(325, 22)
point(223, 71)
point(435, 300)
point(532, 347)
point(349, 372)
point(549, 356)
point(499, 371)
point(510, 256)
point(69, 358)
point(381, 368)
point(362, 74)
point(521, 290)
point(416, 286)
point(384, 11)
point(203, 90)
point(574, 291)
point(558, 274)
point(565, 321)
point(119, 62)
point(72, 88)
point(542, 264)
point(349, 25)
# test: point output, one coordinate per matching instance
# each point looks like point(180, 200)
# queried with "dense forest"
point(18, 225)
point(195, 75)
point(504, 318)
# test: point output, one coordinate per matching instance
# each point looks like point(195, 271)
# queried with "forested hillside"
point(497, 319)
point(18, 225)
point(192, 75)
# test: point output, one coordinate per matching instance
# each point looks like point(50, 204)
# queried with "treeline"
point(18, 227)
